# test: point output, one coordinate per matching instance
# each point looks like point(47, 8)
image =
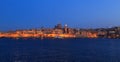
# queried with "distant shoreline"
point(53, 38)
point(64, 32)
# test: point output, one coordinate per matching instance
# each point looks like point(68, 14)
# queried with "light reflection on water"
point(59, 50)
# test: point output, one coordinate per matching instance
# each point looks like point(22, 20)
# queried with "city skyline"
point(59, 31)
point(25, 14)
point(53, 27)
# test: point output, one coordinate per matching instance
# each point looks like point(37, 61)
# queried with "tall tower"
point(66, 29)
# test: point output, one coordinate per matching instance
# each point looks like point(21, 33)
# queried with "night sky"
point(25, 14)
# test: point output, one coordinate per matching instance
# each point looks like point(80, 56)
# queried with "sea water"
point(59, 50)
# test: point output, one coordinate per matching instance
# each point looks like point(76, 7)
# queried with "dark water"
point(59, 50)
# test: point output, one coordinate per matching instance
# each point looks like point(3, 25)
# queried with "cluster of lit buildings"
point(64, 32)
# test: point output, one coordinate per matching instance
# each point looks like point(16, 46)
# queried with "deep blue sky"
point(22, 14)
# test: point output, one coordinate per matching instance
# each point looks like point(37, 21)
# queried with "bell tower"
point(66, 29)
